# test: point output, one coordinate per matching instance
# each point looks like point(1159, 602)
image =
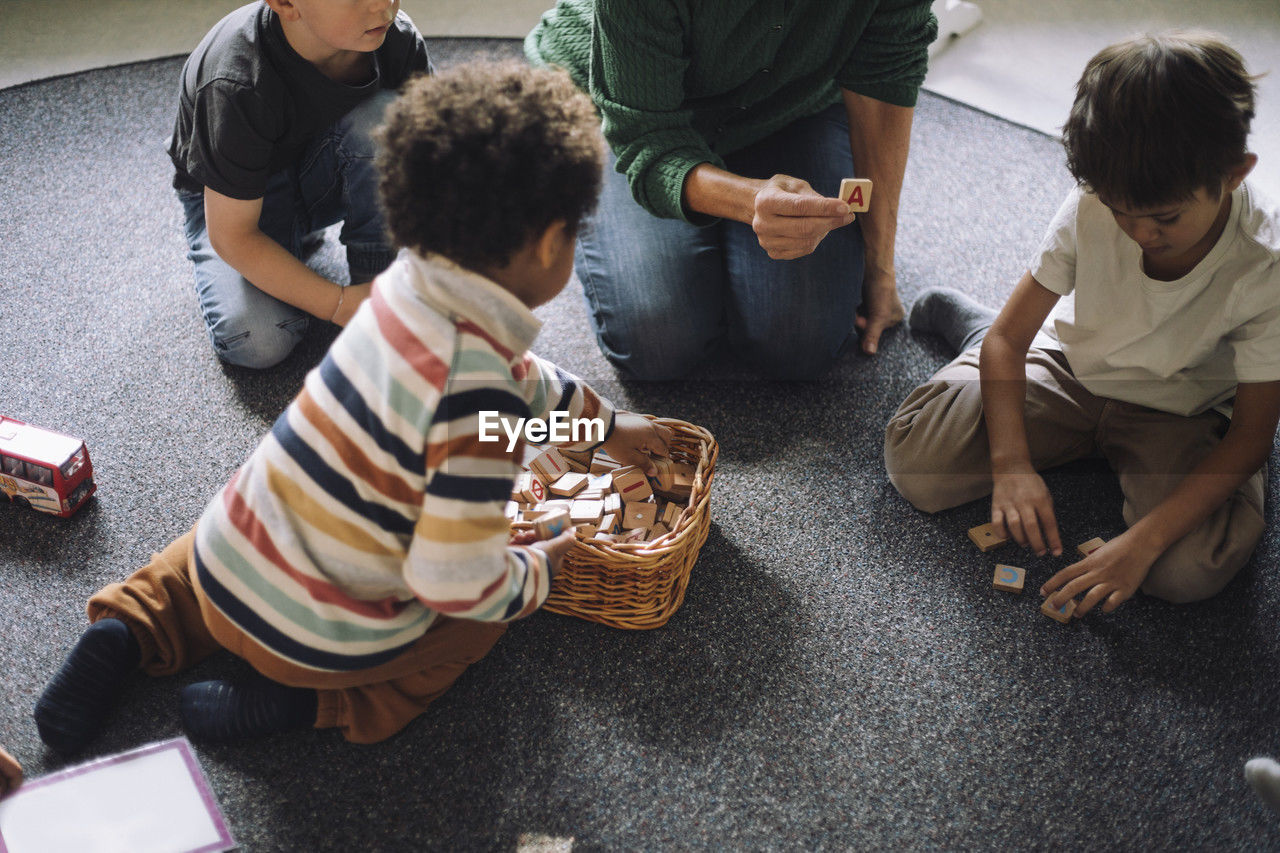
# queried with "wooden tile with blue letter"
point(1009, 578)
point(1061, 614)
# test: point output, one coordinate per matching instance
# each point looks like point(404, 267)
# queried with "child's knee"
point(896, 459)
point(902, 462)
point(1182, 587)
point(1204, 561)
point(932, 491)
point(357, 126)
point(256, 343)
point(920, 491)
point(926, 458)
point(1183, 577)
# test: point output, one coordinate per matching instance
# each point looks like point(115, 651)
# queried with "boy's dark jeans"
point(335, 181)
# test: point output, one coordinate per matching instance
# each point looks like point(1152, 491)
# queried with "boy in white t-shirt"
point(1162, 273)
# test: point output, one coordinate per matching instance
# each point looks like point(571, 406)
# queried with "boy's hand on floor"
point(1022, 506)
point(555, 549)
point(635, 439)
point(1112, 574)
point(10, 773)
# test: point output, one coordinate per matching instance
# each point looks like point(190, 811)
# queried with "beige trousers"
point(937, 456)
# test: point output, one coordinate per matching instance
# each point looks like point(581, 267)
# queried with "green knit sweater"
point(683, 82)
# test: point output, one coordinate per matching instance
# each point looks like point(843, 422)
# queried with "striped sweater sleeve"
point(459, 561)
point(551, 389)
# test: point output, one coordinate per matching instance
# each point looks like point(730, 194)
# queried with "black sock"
point(221, 710)
point(956, 318)
point(72, 708)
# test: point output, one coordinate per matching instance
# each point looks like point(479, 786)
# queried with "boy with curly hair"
point(360, 559)
point(1162, 273)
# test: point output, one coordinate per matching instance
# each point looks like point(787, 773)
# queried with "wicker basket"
point(639, 585)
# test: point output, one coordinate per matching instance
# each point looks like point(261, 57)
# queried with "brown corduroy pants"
point(177, 626)
point(937, 456)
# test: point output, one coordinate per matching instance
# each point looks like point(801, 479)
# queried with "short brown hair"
point(1157, 117)
point(478, 160)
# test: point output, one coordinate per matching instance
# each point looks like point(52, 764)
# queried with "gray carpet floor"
point(841, 676)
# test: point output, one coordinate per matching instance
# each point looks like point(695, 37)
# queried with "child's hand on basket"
point(635, 438)
point(555, 549)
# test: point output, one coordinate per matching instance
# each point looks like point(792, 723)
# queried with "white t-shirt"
point(1177, 346)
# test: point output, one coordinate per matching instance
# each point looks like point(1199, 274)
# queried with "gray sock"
point(951, 315)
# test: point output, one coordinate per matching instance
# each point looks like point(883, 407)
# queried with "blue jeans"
point(662, 294)
point(334, 180)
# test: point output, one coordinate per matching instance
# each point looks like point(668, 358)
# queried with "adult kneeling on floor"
point(731, 125)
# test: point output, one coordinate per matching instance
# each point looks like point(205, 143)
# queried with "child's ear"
point(1237, 175)
point(285, 9)
point(552, 243)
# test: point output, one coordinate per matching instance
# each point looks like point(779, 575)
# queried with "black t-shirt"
point(249, 104)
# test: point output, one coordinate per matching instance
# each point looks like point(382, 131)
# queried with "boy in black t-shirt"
point(271, 144)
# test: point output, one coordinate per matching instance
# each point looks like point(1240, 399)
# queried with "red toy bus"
point(43, 469)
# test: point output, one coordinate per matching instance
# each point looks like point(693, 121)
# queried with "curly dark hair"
point(1157, 117)
point(478, 160)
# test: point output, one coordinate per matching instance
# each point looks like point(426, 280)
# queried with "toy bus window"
point(12, 467)
point(39, 474)
point(73, 464)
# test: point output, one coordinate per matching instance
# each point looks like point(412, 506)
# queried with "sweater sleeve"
point(637, 68)
point(892, 53)
point(459, 561)
point(552, 391)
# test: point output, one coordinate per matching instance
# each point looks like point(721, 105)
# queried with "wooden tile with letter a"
point(856, 192)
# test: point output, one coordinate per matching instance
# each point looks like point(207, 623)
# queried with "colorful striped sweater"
point(372, 505)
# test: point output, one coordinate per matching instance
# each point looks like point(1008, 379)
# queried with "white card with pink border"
point(155, 799)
